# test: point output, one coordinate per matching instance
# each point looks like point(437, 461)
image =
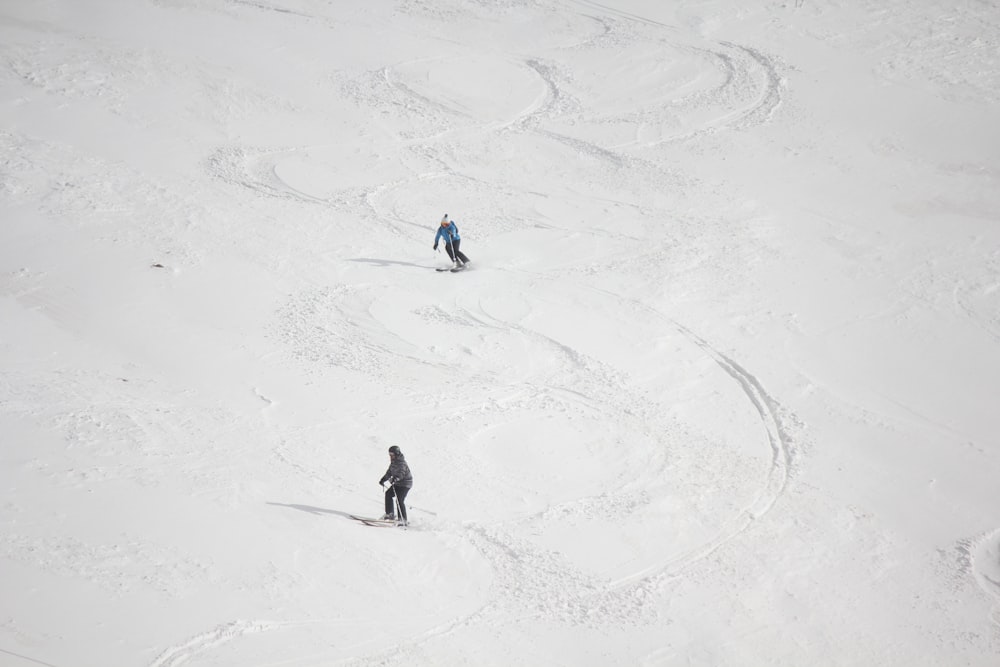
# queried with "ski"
point(380, 523)
point(371, 519)
point(457, 269)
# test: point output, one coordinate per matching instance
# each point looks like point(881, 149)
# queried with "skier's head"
point(444, 220)
point(395, 451)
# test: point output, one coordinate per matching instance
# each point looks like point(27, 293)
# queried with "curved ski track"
point(532, 582)
point(984, 563)
point(750, 92)
point(178, 655)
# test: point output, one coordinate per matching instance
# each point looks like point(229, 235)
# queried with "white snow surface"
point(720, 387)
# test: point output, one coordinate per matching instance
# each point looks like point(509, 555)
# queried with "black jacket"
point(398, 472)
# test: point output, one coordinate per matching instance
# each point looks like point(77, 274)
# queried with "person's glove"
point(435, 246)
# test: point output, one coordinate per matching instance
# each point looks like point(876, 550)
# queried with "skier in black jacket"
point(400, 482)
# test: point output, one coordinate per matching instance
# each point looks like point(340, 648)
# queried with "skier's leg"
point(389, 495)
point(401, 496)
point(458, 253)
point(451, 251)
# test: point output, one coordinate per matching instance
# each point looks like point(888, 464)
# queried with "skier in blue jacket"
point(449, 232)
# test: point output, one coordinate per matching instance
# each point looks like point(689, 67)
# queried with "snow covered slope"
point(719, 388)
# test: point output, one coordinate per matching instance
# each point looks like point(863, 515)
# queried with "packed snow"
point(720, 386)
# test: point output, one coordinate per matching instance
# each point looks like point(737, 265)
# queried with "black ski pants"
point(399, 493)
point(454, 252)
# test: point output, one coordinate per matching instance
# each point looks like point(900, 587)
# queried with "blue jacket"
point(449, 232)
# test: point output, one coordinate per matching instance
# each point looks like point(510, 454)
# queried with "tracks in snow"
point(532, 581)
point(768, 409)
point(748, 92)
point(983, 556)
point(222, 634)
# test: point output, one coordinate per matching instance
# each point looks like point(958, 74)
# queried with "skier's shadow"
point(313, 510)
point(387, 262)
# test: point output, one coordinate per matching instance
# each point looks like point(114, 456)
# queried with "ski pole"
point(395, 495)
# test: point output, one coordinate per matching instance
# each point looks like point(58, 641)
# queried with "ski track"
point(983, 556)
point(768, 409)
point(323, 328)
point(752, 88)
point(780, 442)
point(536, 583)
point(749, 95)
point(530, 581)
point(222, 634)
